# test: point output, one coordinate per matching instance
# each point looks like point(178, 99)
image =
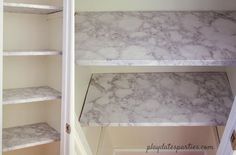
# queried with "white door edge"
point(1, 73)
point(67, 107)
point(225, 145)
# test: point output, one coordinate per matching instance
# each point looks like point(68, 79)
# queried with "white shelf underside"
point(30, 8)
point(31, 53)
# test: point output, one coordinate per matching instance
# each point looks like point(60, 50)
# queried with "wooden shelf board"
point(28, 136)
point(157, 99)
point(30, 94)
point(30, 8)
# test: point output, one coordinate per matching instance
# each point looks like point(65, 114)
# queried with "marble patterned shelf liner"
point(156, 38)
point(28, 136)
point(157, 99)
point(30, 94)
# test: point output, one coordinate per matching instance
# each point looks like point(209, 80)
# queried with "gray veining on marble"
point(30, 8)
point(31, 53)
point(30, 94)
point(28, 135)
point(157, 99)
point(156, 38)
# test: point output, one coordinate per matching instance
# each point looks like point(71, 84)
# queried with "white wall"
point(143, 5)
point(54, 68)
point(47, 149)
point(33, 32)
point(139, 137)
point(25, 32)
point(82, 78)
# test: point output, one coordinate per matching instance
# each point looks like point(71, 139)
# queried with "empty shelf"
point(155, 38)
point(30, 94)
point(31, 53)
point(157, 99)
point(28, 136)
point(30, 8)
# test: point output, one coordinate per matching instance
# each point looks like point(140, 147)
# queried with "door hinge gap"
point(233, 140)
point(68, 128)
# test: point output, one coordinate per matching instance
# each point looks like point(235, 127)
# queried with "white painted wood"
point(1, 77)
point(67, 109)
point(225, 145)
point(30, 8)
point(80, 140)
point(31, 53)
point(75, 142)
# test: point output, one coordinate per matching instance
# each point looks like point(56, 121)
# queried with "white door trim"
point(67, 107)
point(80, 140)
point(1, 73)
point(225, 145)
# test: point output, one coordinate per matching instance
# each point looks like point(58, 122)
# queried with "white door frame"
point(1, 73)
point(68, 62)
point(225, 145)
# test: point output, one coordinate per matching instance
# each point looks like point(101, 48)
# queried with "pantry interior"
point(32, 76)
point(32, 59)
point(116, 69)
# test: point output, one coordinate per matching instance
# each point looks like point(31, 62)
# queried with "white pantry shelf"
point(157, 99)
point(29, 94)
point(28, 136)
point(156, 38)
point(30, 8)
point(31, 53)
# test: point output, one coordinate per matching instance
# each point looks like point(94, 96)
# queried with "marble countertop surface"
point(155, 38)
point(28, 135)
point(157, 99)
point(30, 94)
